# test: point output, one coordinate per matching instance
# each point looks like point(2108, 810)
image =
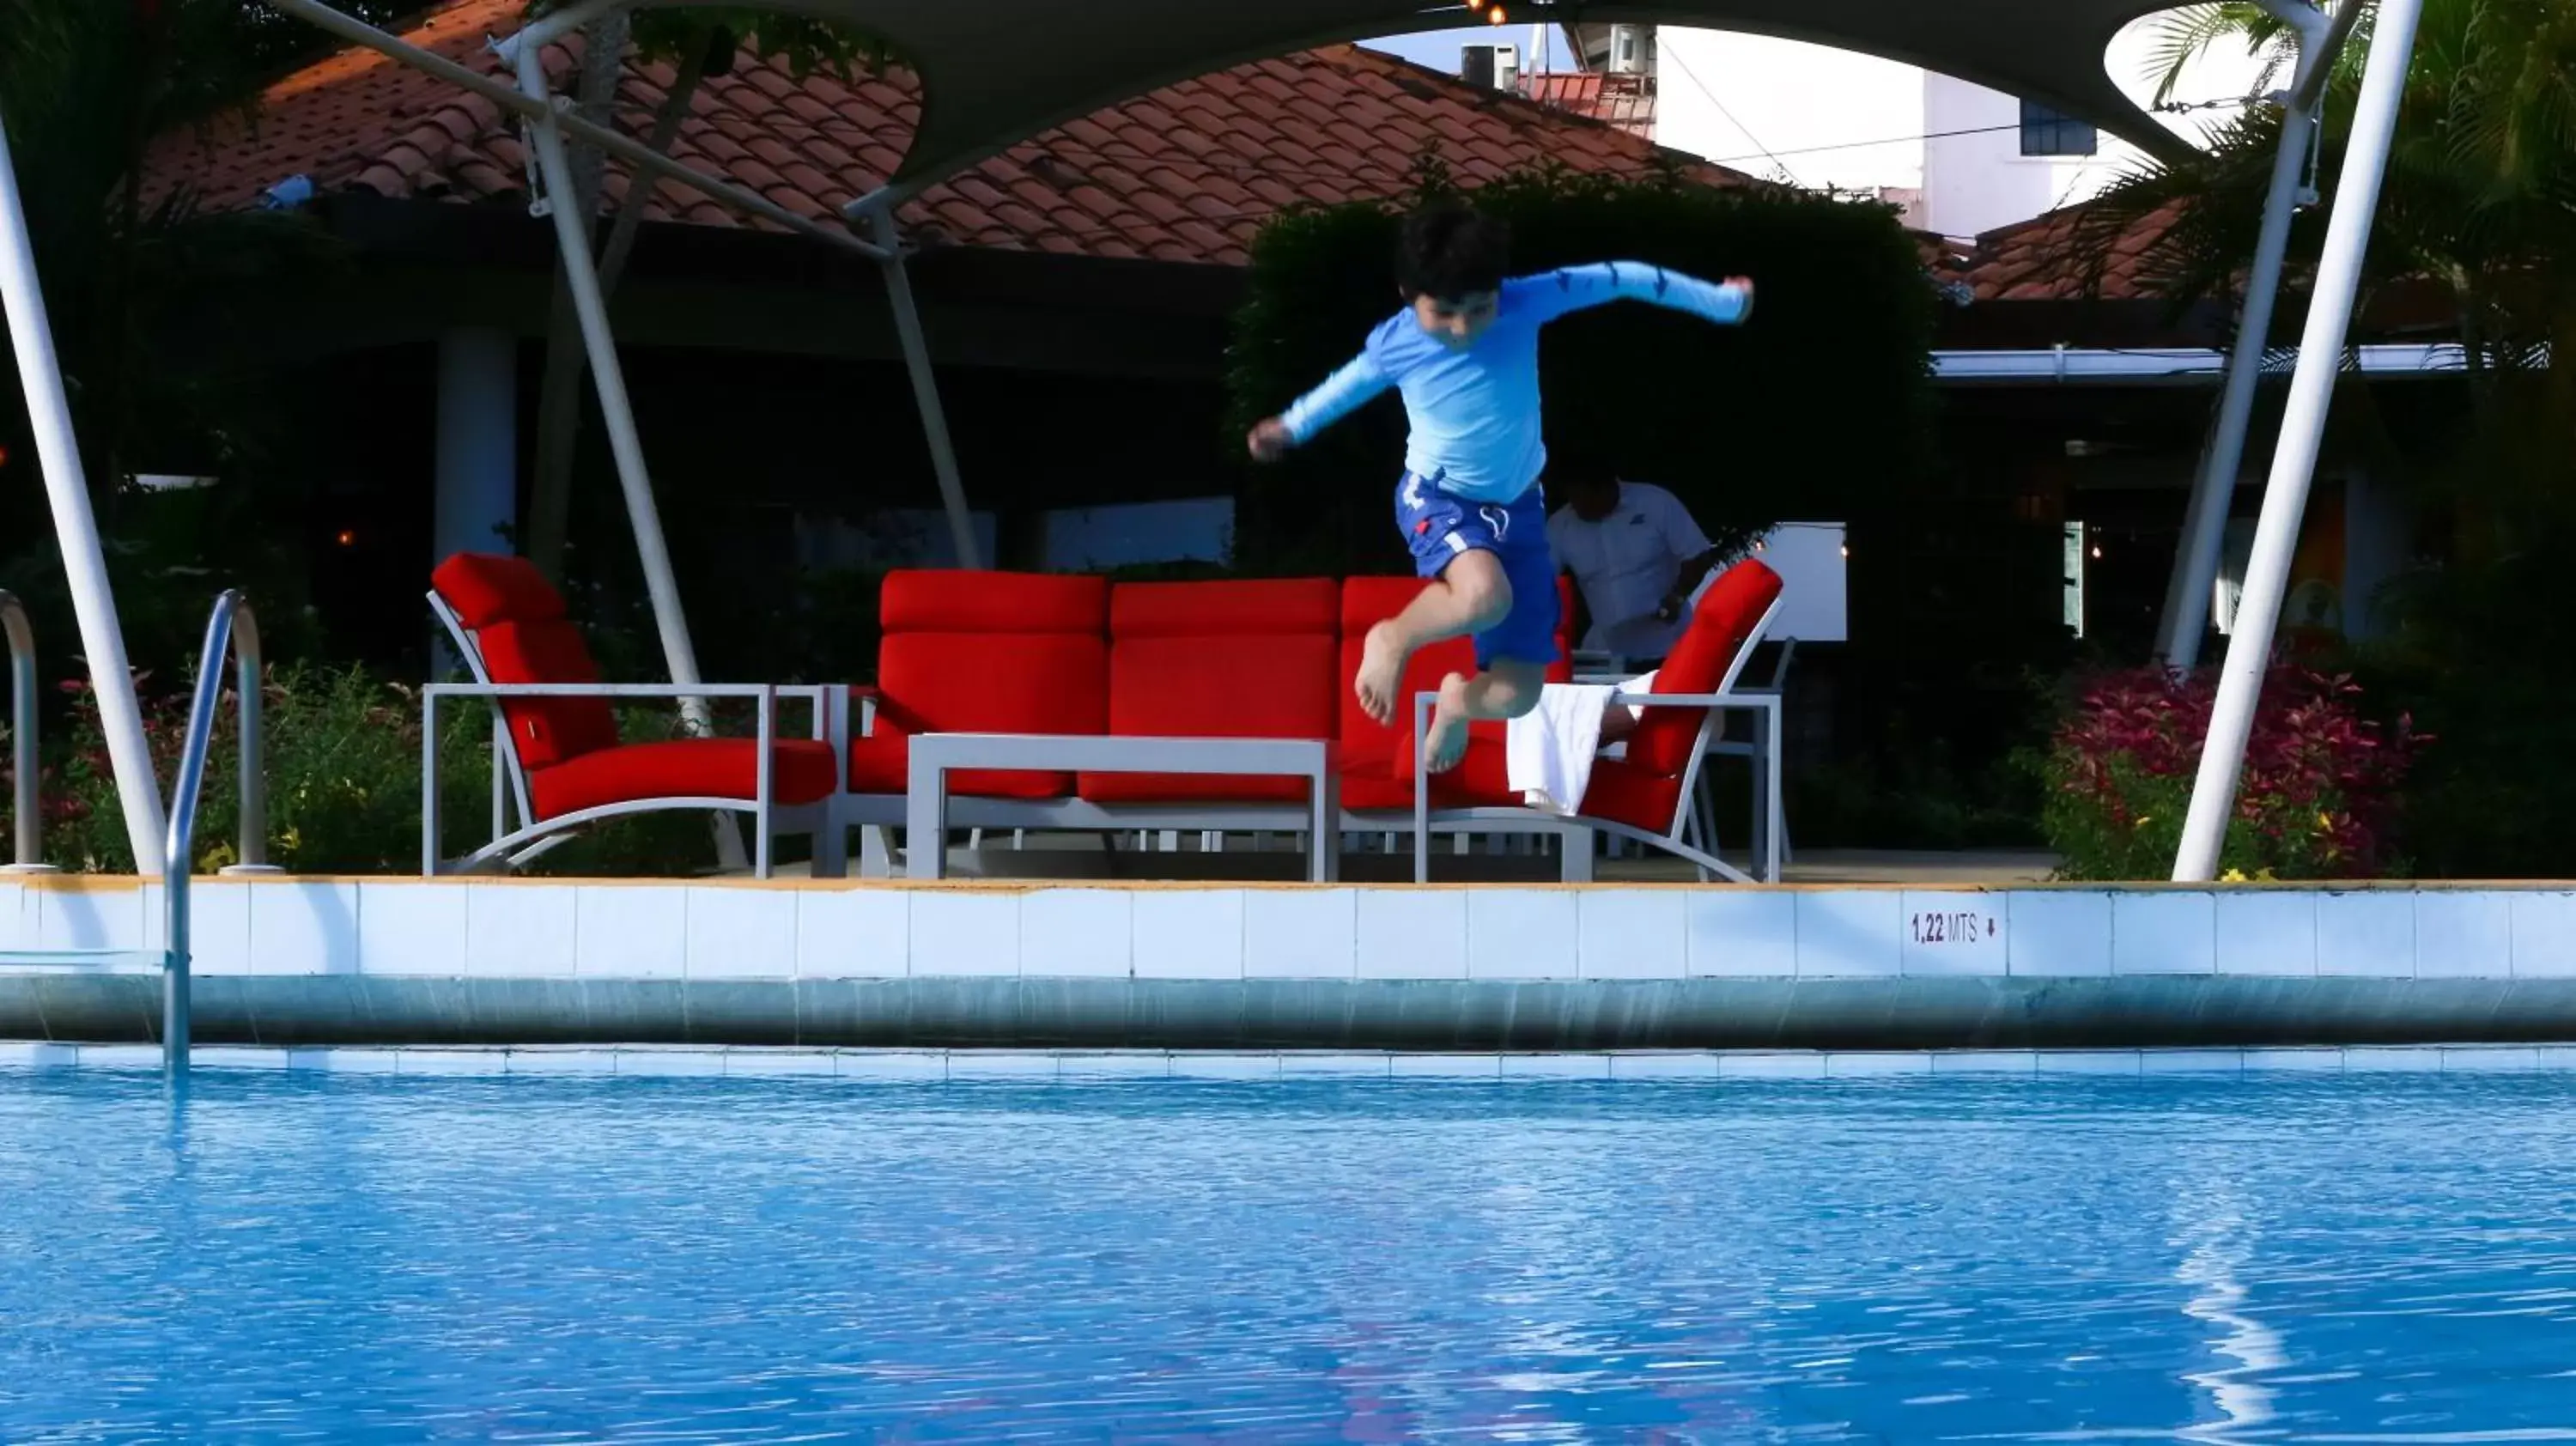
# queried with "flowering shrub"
point(341, 751)
point(2317, 800)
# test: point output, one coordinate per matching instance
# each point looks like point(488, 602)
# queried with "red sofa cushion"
point(486, 588)
point(953, 600)
point(1225, 659)
point(1280, 687)
point(800, 773)
point(985, 652)
point(1251, 607)
point(1721, 628)
point(982, 683)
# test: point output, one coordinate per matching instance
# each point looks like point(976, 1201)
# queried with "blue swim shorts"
point(1438, 526)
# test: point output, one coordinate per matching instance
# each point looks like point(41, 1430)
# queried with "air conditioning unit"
point(1632, 50)
point(1495, 67)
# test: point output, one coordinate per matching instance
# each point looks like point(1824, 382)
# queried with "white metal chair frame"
point(1675, 839)
point(513, 848)
point(1612, 668)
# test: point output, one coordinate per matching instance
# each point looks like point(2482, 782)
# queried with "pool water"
point(336, 1258)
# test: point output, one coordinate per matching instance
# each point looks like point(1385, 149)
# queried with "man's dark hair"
point(1450, 251)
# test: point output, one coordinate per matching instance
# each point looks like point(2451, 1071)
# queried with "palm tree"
point(2477, 209)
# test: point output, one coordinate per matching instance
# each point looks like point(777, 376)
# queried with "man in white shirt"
point(1637, 555)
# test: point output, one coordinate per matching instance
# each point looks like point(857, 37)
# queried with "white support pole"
point(2187, 591)
point(610, 378)
point(581, 276)
point(2185, 618)
point(925, 385)
point(2303, 422)
point(138, 788)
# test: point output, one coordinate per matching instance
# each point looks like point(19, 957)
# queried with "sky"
point(1439, 48)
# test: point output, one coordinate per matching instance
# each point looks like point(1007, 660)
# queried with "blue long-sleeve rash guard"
point(1474, 409)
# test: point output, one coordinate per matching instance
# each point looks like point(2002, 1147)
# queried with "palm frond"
point(2182, 36)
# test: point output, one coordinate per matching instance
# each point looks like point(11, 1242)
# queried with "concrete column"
point(2376, 546)
point(478, 443)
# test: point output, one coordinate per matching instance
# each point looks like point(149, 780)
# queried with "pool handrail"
point(27, 800)
point(234, 628)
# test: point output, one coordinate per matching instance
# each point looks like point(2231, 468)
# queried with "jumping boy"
point(1464, 353)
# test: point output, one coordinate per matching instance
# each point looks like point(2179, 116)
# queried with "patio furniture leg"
point(1576, 864)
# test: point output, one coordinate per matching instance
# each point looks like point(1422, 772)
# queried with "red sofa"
point(1001, 652)
point(1272, 658)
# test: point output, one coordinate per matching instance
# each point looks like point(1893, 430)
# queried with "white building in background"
point(1961, 160)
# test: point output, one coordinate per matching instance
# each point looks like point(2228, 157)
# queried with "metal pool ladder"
point(233, 628)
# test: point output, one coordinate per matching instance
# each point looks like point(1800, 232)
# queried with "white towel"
point(1548, 751)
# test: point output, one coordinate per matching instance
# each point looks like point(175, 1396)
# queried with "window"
point(2046, 133)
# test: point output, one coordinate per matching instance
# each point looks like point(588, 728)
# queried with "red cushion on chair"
point(486, 588)
point(953, 600)
point(1627, 794)
point(800, 773)
point(1722, 629)
point(983, 683)
point(1618, 790)
point(548, 730)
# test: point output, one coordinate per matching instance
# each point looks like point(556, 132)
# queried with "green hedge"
point(1820, 403)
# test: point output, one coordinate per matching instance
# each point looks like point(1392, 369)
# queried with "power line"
point(1941, 135)
point(1693, 77)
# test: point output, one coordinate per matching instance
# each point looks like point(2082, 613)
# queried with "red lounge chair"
point(560, 750)
point(1645, 795)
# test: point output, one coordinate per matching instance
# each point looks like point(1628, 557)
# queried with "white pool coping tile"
point(969, 1066)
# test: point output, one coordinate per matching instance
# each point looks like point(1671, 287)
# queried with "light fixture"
point(1495, 15)
point(2097, 552)
point(348, 537)
point(1846, 549)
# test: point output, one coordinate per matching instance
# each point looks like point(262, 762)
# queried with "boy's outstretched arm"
point(1336, 398)
point(1575, 288)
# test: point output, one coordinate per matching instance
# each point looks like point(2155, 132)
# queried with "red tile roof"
point(1187, 173)
point(2047, 259)
point(1626, 102)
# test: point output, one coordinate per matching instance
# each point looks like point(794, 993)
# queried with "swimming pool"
point(2282, 1257)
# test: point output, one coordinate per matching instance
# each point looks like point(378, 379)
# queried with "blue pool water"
point(319, 1258)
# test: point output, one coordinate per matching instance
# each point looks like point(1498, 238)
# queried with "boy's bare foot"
point(1445, 745)
point(1381, 673)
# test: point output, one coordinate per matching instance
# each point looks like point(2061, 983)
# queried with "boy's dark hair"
point(1451, 250)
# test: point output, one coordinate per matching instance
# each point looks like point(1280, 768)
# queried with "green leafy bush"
point(2318, 799)
point(342, 758)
